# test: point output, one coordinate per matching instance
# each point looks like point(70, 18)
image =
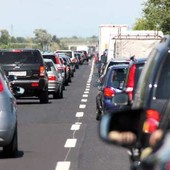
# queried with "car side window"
point(163, 84)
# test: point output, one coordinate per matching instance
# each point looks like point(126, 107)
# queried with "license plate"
point(17, 73)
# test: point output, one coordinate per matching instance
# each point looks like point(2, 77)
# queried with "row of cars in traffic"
point(135, 114)
point(31, 73)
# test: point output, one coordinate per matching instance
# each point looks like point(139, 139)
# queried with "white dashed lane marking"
point(75, 127)
point(79, 114)
point(85, 95)
point(82, 106)
point(83, 100)
point(65, 165)
point(70, 143)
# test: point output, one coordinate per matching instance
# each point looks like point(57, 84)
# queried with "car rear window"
point(26, 57)
point(52, 57)
point(68, 53)
point(117, 77)
point(49, 66)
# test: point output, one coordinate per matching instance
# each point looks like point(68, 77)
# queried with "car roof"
point(119, 66)
point(48, 60)
point(19, 49)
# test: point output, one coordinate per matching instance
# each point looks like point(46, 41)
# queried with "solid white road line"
point(70, 143)
point(65, 165)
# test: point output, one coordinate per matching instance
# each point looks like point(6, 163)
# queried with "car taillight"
point(34, 84)
point(74, 60)
point(53, 77)
point(68, 68)
point(16, 51)
point(131, 82)
point(152, 121)
point(1, 86)
point(109, 92)
point(42, 71)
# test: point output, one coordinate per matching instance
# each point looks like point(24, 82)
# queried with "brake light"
point(68, 68)
point(1, 86)
point(152, 121)
point(74, 60)
point(53, 77)
point(16, 51)
point(34, 84)
point(109, 92)
point(42, 71)
point(131, 81)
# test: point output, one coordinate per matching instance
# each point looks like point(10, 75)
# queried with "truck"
point(106, 31)
point(121, 42)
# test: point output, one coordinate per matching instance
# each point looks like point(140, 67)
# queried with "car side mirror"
point(121, 122)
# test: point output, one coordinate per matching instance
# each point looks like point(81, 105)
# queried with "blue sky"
point(66, 18)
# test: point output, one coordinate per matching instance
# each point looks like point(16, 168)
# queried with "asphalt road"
point(63, 134)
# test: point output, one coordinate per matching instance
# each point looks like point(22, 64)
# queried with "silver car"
point(8, 117)
point(55, 80)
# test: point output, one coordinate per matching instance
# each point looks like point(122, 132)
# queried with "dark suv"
point(28, 67)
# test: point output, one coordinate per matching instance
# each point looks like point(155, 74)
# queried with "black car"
point(28, 67)
point(150, 109)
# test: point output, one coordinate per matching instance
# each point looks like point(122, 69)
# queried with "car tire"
point(72, 74)
point(69, 79)
point(66, 82)
point(43, 96)
point(11, 149)
point(98, 114)
point(61, 94)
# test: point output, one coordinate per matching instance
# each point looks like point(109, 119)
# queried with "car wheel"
point(55, 95)
point(98, 114)
point(72, 74)
point(69, 79)
point(44, 96)
point(11, 149)
point(66, 82)
point(61, 94)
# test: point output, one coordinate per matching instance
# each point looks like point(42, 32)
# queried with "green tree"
point(4, 37)
point(141, 24)
point(55, 39)
point(156, 16)
point(43, 38)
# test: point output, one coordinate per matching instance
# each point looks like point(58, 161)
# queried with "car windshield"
point(27, 57)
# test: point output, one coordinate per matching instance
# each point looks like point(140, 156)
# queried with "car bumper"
point(30, 84)
point(53, 86)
